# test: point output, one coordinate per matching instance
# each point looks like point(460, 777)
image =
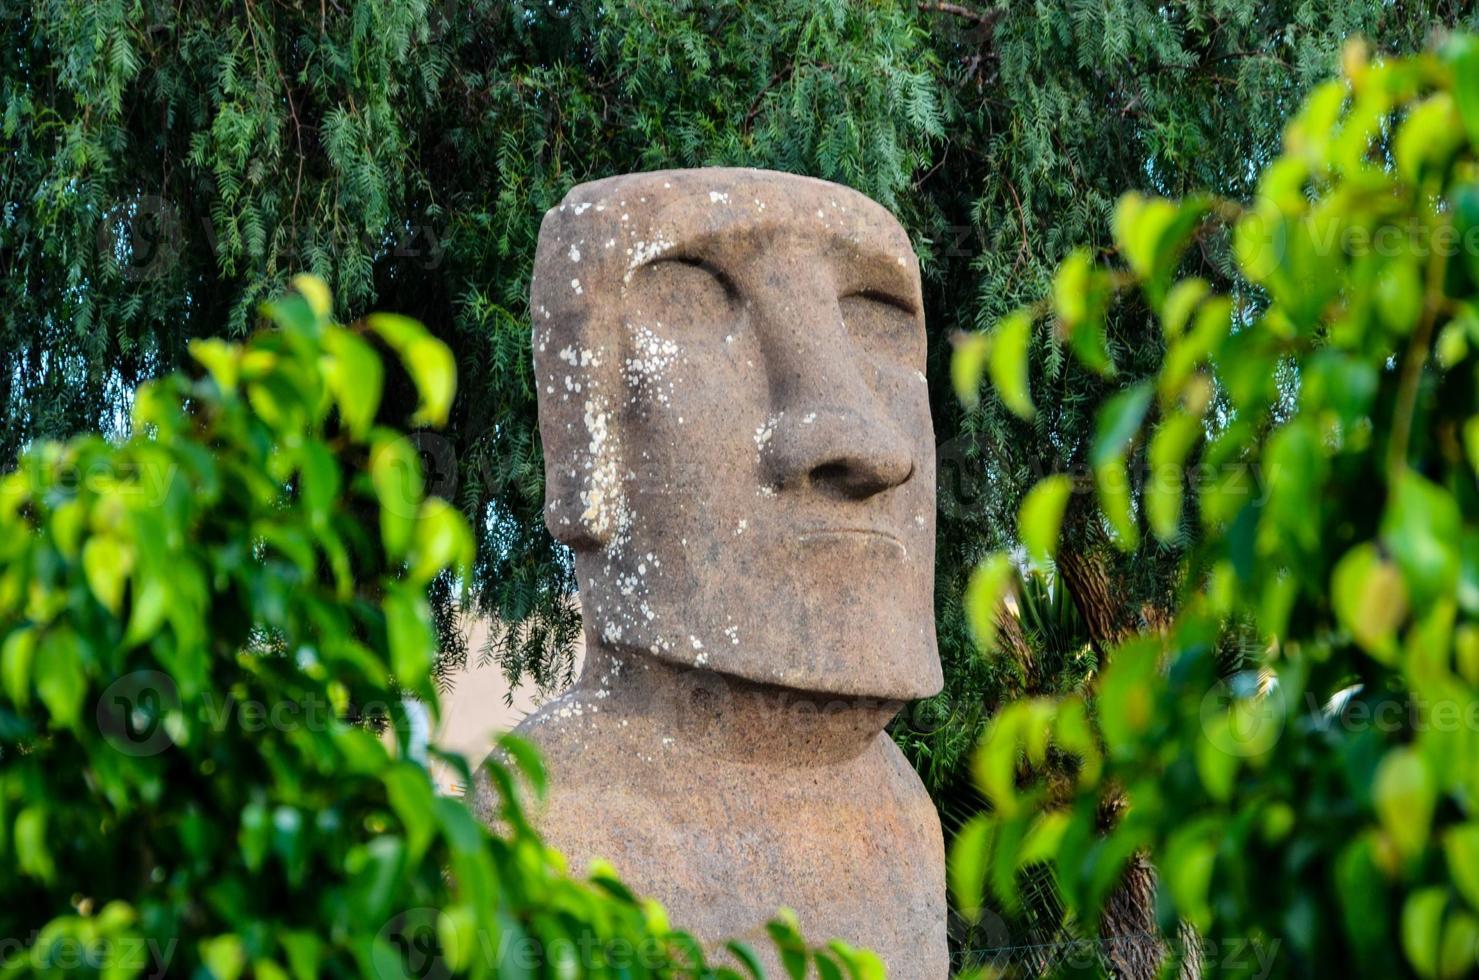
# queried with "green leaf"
point(429, 362)
point(969, 861)
point(457, 933)
point(1460, 940)
point(1190, 856)
point(302, 949)
point(1119, 421)
point(411, 796)
point(1180, 302)
point(106, 561)
point(988, 586)
point(1461, 52)
point(1427, 137)
point(968, 365)
point(221, 359)
point(224, 956)
point(1370, 600)
point(1169, 447)
point(1404, 794)
point(1009, 363)
point(151, 606)
point(61, 680)
point(1422, 923)
point(355, 377)
point(862, 964)
point(1151, 234)
point(526, 756)
point(1041, 517)
point(747, 958)
point(292, 313)
point(1421, 529)
point(443, 540)
point(1127, 692)
point(1112, 480)
point(1137, 224)
point(16, 659)
point(1399, 295)
point(1072, 287)
point(412, 641)
point(1217, 767)
point(31, 852)
point(318, 471)
point(1471, 442)
point(1040, 844)
point(1258, 242)
point(395, 471)
point(827, 969)
point(1461, 847)
point(316, 292)
point(1089, 344)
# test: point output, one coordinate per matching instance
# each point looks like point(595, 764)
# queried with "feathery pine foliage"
point(168, 163)
point(207, 633)
point(1319, 802)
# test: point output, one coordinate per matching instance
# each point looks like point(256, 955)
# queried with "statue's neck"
point(714, 714)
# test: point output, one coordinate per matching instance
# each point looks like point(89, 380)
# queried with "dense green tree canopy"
point(1321, 424)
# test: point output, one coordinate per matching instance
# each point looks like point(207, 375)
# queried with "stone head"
point(736, 427)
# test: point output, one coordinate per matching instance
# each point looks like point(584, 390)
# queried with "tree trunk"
point(1127, 927)
point(1133, 947)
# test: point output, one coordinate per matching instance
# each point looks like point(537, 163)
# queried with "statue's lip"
point(835, 533)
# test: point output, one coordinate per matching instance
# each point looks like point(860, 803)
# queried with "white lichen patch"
point(606, 512)
point(764, 433)
point(581, 207)
point(575, 285)
point(574, 253)
point(580, 357)
point(643, 252)
point(742, 526)
point(646, 370)
point(718, 197)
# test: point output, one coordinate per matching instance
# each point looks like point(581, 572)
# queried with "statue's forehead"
point(604, 230)
point(685, 209)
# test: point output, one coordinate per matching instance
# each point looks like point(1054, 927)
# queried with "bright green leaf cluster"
point(1298, 752)
point(213, 636)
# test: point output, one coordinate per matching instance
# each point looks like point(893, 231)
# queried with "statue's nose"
point(829, 430)
point(837, 451)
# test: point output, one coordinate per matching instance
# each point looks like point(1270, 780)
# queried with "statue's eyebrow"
point(868, 269)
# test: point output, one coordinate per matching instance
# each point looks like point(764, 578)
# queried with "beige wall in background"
point(477, 709)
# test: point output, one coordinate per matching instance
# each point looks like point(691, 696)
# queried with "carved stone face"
point(736, 428)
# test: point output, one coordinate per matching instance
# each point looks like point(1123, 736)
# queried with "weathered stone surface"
point(739, 451)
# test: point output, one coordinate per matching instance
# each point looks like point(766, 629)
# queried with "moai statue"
point(738, 450)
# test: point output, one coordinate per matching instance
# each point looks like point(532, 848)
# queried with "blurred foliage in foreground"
point(1315, 437)
point(208, 637)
